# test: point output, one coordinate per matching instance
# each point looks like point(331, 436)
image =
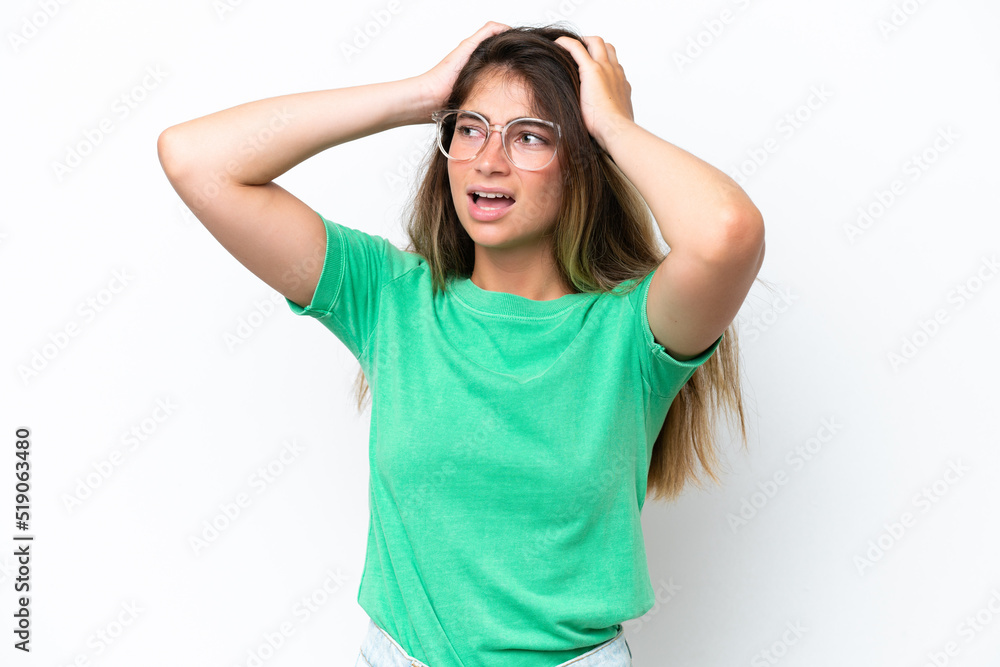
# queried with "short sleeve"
point(355, 268)
point(664, 374)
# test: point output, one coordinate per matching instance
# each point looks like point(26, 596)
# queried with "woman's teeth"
point(491, 195)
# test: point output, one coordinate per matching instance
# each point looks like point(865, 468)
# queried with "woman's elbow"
point(743, 233)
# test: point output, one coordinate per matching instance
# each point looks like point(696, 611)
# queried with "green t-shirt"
point(509, 445)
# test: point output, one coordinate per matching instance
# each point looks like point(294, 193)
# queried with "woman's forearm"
point(256, 142)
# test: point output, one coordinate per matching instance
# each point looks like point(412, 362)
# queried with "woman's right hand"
point(436, 84)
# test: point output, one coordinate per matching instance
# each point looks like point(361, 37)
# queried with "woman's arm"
point(715, 233)
point(222, 165)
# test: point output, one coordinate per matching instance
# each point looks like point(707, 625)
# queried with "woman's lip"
point(484, 215)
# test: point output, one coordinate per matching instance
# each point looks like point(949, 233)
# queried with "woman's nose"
point(493, 156)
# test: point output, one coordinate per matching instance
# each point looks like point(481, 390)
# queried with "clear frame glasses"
point(529, 143)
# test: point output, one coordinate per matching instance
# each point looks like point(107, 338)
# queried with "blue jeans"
point(378, 649)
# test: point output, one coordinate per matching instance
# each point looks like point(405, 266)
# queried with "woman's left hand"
point(605, 94)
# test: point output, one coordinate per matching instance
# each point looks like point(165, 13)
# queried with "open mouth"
point(491, 203)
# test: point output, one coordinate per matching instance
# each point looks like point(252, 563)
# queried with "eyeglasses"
point(529, 143)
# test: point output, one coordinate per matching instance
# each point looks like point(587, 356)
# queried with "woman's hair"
point(604, 235)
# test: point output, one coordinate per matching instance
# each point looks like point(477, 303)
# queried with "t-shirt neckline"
point(504, 303)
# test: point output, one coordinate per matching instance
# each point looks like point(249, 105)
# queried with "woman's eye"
point(468, 130)
point(532, 139)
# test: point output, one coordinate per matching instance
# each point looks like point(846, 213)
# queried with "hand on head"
point(605, 93)
point(440, 79)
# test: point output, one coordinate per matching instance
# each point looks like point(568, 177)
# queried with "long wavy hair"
point(603, 237)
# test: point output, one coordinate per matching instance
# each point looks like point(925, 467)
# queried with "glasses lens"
point(461, 135)
point(530, 144)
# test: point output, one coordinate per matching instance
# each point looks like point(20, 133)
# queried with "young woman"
point(537, 366)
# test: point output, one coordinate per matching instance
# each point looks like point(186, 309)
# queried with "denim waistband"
point(378, 649)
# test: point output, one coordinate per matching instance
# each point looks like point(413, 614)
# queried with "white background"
point(841, 546)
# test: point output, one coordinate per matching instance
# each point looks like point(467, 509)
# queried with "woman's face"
point(535, 196)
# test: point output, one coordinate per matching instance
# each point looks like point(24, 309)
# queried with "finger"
point(597, 48)
point(460, 54)
point(489, 29)
point(612, 54)
point(494, 27)
point(575, 48)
